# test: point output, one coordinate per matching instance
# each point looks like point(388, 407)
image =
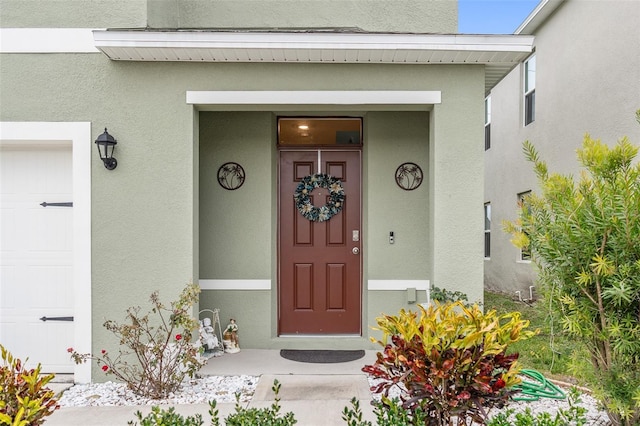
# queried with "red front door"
point(320, 263)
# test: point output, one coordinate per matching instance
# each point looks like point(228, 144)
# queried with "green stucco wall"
point(145, 214)
point(73, 13)
point(394, 138)
point(142, 212)
point(421, 16)
point(236, 245)
point(251, 310)
point(235, 226)
point(456, 182)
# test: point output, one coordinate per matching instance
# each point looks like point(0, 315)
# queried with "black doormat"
point(321, 356)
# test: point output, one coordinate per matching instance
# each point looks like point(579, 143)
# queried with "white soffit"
point(499, 53)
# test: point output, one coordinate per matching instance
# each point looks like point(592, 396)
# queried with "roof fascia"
point(538, 16)
point(312, 41)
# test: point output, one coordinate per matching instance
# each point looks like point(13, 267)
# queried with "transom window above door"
point(300, 131)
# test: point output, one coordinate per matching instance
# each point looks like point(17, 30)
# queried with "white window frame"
point(529, 84)
point(487, 231)
point(487, 123)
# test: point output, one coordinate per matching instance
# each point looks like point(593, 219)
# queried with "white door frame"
point(78, 136)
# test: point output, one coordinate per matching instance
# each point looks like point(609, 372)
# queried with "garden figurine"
point(231, 342)
point(207, 335)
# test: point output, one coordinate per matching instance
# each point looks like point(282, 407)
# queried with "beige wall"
point(588, 81)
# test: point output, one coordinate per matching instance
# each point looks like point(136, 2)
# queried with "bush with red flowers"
point(154, 355)
point(448, 361)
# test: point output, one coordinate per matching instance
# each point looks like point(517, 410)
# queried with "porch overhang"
point(301, 100)
point(498, 53)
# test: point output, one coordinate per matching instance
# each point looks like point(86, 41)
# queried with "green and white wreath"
point(303, 202)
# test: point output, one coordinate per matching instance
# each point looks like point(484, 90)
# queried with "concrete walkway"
point(315, 393)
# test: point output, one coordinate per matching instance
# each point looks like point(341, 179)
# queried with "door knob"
point(355, 250)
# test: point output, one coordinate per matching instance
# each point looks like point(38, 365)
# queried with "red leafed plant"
point(450, 362)
point(25, 399)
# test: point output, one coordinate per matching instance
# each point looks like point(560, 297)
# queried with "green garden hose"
point(537, 387)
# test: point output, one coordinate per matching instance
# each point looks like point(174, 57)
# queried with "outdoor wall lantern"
point(106, 144)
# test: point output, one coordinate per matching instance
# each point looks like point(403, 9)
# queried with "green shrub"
point(269, 416)
point(24, 398)
point(168, 417)
point(155, 355)
point(391, 413)
point(450, 362)
point(442, 295)
point(584, 239)
point(388, 412)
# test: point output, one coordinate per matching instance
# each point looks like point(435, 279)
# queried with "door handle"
point(355, 250)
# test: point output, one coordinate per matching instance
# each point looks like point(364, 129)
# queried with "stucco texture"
point(73, 14)
point(587, 81)
point(235, 226)
point(421, 16)
point(394, 139)
point(145, 213)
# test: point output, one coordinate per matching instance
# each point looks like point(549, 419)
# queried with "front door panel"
point(320, 262)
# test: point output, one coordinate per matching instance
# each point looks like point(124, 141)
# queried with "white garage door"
point(36, 255)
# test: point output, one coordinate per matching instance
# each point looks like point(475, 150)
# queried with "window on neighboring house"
point(487, 123)
point(525, 252)
point(530, 90)
point(487, 230)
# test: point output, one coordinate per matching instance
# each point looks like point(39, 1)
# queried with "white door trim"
point(208, 284)
point(78, 135)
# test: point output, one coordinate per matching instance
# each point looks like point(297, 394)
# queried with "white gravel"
point(224, 388)
point(193, 391)
point(595, 417)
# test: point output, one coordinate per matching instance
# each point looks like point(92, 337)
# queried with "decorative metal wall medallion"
point(409, 176)
point(231, 176)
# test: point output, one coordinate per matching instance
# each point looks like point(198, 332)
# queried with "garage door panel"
point(8, 232)
point(7, 295)
point(37, 255)
point(51, 287)
point(40, 341)
point(48, 229)
point(54, 163)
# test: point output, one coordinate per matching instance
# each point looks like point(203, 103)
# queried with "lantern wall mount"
point(106, 145)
